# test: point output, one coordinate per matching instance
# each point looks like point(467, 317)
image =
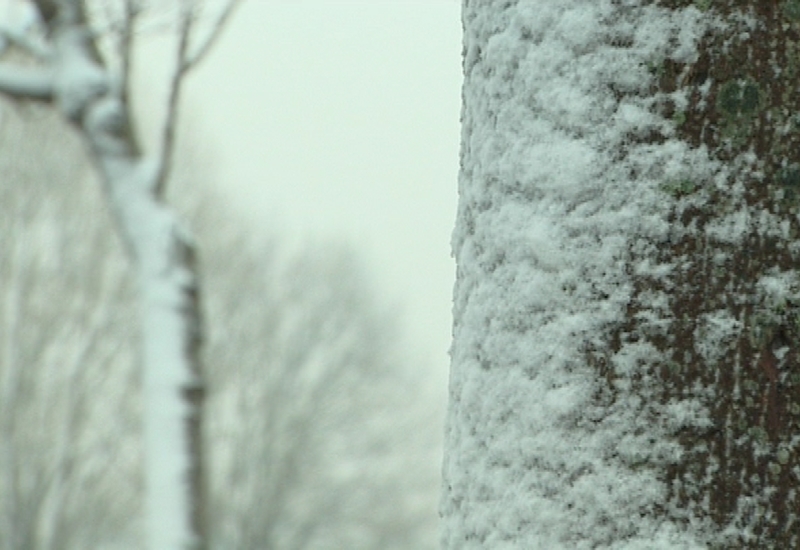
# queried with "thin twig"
point(126, 48)
point(183, 64)
point(26, 82)
point(216, 30)
point(176, 84)
point(39, 50)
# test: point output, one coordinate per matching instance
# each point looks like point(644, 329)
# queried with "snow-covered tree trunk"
point(76, 80)
point(625, 366)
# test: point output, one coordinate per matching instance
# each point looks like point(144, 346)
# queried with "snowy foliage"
point(562, 199)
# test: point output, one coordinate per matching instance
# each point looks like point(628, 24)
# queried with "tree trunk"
point(163, 256)
point(626, 365)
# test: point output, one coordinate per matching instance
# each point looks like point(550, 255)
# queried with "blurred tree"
point(323, 429)
point(320, 432)
point(68, 475)
point(84, 58)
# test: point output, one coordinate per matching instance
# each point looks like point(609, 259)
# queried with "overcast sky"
point(341, 119)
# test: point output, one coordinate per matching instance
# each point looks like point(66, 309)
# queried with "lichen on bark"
point(737, 256)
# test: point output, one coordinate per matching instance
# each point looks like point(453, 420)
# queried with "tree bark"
point(625, 366)
point(742, 107)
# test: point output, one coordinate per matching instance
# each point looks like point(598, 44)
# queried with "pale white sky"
point(341, 118)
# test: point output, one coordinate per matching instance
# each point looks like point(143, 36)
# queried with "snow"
point(154, 238)
point(85, 94)
point(78, 78)
point(554, 199)
point(88, 96)
point(153, 232)
point(715, 331)
point(16, 17)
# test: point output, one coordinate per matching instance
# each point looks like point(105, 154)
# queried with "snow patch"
point(557, 198)
point(714, 333)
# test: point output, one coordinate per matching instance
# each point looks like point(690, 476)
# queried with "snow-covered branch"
point(26, 82)
point(23, 40)
point(87, 94)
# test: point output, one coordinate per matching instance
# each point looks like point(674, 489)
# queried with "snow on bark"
point(170, 334)
point(170, 320)
point(551, 439)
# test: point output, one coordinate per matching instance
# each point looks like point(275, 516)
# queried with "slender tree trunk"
point(164, 259)
point(626, 366)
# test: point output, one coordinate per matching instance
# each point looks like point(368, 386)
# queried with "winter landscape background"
point(317, 163)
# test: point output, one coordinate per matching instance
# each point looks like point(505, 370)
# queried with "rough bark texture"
point(691, 389)
point(744, 108)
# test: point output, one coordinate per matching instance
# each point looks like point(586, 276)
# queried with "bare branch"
point(38, 49)
point(176, 84)
point(211, 39)
point(132, 10)
point(27, 82)
point(76, 357)
point(184, 62)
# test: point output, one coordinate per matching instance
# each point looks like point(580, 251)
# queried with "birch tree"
point(92, 93)
point(625, 361)
point(322, 430)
